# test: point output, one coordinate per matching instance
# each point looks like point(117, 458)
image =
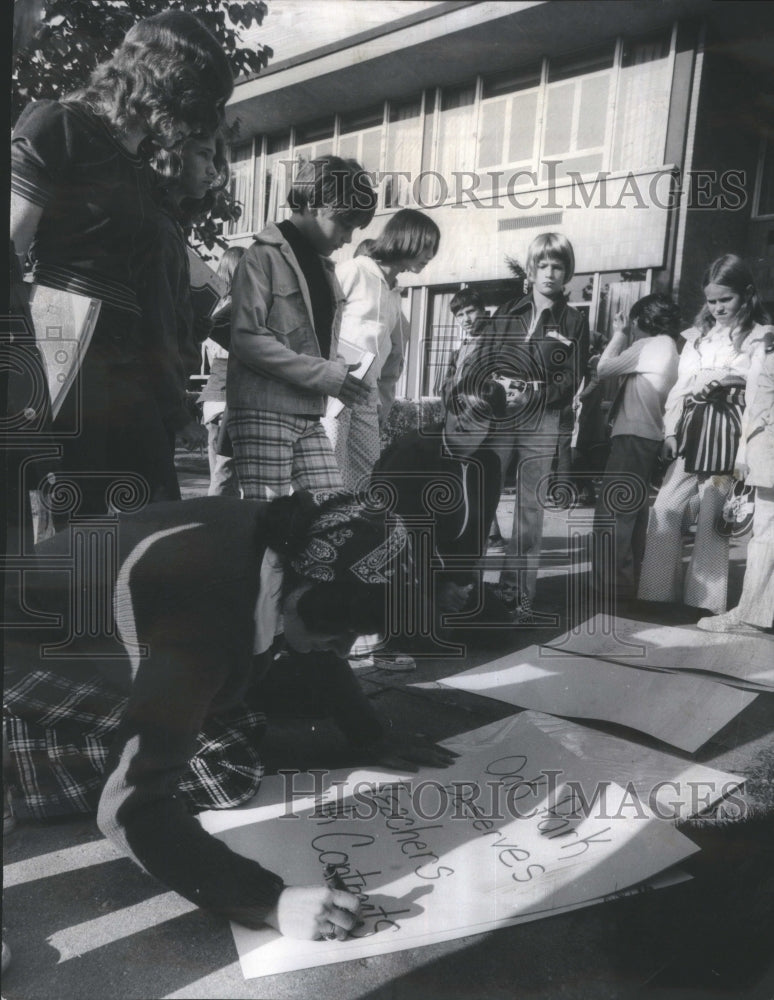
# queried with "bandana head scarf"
point(337, 537)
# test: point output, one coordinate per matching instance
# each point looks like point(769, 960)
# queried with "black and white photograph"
point(387, 446)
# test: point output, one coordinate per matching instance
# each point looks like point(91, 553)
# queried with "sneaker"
point(508, 596)
point(397, 663)
point(495, 543)
point(526, 615)
point(728, 622)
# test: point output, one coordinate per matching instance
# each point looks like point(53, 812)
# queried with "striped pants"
point(276, 453)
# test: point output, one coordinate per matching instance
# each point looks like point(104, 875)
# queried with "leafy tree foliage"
point(76, 35)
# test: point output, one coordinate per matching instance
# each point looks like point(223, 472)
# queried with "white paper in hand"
point(353, 355)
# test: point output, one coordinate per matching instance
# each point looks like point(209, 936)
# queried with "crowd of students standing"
point(143, 140)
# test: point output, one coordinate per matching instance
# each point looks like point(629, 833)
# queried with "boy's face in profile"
point(548, 277)
point(328, 232)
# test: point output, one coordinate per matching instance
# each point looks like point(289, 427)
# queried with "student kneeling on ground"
point(452, 472)
point(167, 719)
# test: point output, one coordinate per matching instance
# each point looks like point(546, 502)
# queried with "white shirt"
point(705, 359)
point(373, 320)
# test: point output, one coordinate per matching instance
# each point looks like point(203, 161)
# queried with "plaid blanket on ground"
point(59, 734)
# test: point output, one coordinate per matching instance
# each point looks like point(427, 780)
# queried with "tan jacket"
point(275, 362)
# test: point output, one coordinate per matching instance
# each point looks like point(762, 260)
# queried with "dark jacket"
point(554, 356)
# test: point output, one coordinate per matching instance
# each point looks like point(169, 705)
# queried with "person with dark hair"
point(372, 320)
point(285, 321)
point(645, 357)
point(469, 311)
point(82, 208)
point(702, 426)
point(454, 463)
point(161, 709)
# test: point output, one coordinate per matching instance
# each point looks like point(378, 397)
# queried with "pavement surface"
point(84, 923)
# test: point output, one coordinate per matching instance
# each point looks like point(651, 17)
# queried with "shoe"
point(526, 615)
point(728, 622)
point(396, 663)
point(517, 605)
point(493, 610)
point(508, 597)
point(495, 543)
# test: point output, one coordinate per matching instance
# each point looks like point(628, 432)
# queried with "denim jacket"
point(275, 361)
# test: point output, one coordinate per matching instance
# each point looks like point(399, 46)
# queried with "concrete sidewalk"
point(84, 923)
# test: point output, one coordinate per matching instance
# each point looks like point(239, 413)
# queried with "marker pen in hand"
point(334, 881)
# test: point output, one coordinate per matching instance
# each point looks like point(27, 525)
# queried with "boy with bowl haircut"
point(536, 346)
point(284, 334)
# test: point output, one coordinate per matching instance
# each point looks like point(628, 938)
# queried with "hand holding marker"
point(346, 915)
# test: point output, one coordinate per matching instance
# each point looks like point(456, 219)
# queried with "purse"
point(710, 428)
point(738, 509)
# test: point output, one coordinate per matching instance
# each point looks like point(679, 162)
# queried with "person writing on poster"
point(162, 713)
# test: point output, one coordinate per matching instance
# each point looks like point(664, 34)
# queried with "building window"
point(403, 153)
point(443, 338)
point(456, 141)
point(764, 187)
point(508, 123)
point(360, 138)
point(618, 291)
point(313, 140)
point(642, 107)
point(276, 178)
point(239, 185)
point(578, 100)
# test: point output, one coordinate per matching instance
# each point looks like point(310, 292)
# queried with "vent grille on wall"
point(531, 221)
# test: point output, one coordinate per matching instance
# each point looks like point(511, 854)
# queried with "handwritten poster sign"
point(515, 830)
point(684, 710)
point(745, 660)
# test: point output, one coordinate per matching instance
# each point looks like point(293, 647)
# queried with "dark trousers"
point(621, 514)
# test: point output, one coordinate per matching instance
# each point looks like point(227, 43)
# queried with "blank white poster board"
point(745, 660)
point(673, 787)
point(684, 710)
point(435, 858)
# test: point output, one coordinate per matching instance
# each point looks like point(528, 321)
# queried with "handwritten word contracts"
point(494, 840)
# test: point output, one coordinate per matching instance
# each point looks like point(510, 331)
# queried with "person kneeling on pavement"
point(159, 713)
point(451, 473)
